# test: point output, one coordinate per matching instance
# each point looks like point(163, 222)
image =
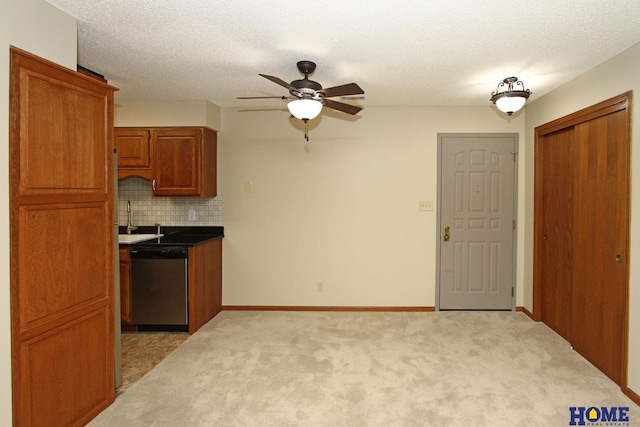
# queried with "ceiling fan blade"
point(343, 90)
point(262, 97)
point(278, 81)
point(341, 106)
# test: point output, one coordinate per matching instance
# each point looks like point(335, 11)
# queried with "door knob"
point(619, 259)
point(446, 233)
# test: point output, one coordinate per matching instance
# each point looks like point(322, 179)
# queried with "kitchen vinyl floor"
point(141, 351)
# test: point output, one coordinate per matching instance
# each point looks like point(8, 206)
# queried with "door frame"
point(438, 234)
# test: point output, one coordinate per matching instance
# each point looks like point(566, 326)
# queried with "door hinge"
point(514, 224)
point(515, 155)
point(513, 292)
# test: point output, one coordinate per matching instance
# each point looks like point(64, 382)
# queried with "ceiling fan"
point(308, 97)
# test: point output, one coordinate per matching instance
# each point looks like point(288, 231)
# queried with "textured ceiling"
point(402, 53)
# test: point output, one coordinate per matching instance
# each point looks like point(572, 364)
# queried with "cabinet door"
point(177, 162)
point(126, 316)
point(205, 283)
point(134, 152)
point(133, 147)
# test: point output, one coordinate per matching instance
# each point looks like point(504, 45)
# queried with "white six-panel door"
point(477, 221)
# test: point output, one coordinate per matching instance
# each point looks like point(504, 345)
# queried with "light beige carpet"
point(367, 369)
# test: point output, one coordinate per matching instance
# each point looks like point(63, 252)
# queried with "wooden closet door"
point(555, 152)
point(582, 211)
point(601, 222)
point(62, 239)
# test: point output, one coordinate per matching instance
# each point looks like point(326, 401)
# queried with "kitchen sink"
point(136, 238)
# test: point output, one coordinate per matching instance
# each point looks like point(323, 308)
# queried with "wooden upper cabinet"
point(134, 152)
point(182, 160)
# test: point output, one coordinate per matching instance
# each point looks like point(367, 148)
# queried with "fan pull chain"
point(306, 129)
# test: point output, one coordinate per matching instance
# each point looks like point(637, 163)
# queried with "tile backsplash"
point(148, 210)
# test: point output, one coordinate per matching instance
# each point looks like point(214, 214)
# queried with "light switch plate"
point(426, 205)
point(248, 186)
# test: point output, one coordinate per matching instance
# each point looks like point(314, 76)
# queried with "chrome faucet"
point(157, 224)
point(130, 227)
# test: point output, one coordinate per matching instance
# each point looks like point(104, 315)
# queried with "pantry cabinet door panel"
point(61, 272)
point(53, 376)
point(54, 113)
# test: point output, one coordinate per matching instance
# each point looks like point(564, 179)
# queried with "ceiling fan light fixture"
point(510, 95)
point(305, 109)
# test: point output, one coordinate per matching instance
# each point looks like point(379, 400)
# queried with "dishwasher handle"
point(160, 252)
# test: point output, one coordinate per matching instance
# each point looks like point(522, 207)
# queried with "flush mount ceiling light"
point(305, 109)
point(510, 95)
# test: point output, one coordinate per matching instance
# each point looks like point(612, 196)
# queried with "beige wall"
point(613, 77)
point(342, 211)
point(167, 113)
point(37, 27)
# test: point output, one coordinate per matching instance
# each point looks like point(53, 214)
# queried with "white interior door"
point(477, 221)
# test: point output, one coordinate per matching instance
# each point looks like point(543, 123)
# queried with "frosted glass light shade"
point(305, 109)
point(510, 104)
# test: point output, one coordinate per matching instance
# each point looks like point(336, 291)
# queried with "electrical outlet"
point(192, 215)
point(320, 287)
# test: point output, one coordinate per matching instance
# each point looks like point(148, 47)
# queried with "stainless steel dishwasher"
point(159, 286)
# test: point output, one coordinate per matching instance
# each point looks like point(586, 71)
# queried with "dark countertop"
point(176, 235)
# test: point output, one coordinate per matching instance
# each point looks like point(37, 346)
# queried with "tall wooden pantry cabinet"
point(62, 240)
